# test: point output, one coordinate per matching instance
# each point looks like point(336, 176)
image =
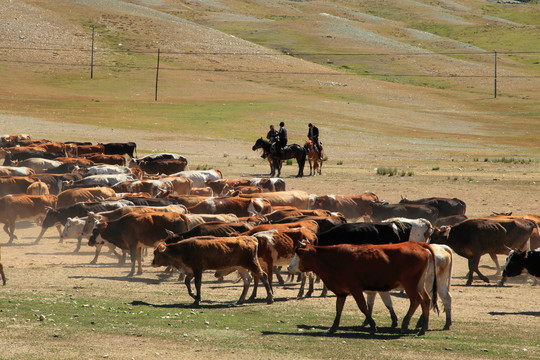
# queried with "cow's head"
point(160, 259)
point(440, 235)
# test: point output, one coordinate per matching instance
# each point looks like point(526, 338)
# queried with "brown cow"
point(475, 237)
point(210, 253)
point(235, 205)
point(72, 196)
point(89, 149)
point(349, 269)
point(14, 208)
point(15, 184)
point(296, 198)
point(107, 159)
point(352, 207)
point(134, 231)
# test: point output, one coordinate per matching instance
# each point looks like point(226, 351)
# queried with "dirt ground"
point(49, 266)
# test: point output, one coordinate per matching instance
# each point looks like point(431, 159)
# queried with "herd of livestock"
point(197, 221)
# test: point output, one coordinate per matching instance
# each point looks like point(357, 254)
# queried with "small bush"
point(225, 155)
point(204, 167)
point(340, 162)
point(387, 171)
point(288, 162)
point(436, 168)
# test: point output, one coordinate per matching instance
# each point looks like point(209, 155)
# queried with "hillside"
point(390, 73)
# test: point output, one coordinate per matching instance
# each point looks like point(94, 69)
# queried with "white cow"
point(107, 169)
point(200, 177)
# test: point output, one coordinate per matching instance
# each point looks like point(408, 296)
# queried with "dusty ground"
point(50, 267)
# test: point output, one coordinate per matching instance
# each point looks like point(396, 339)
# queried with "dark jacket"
point(282, 133)
point(313, 132)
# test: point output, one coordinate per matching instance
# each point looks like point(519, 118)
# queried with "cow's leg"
point(473, 267)
point(255, 286)
point(370, 301)
point(79, 243)
point(277, 270)
point(324, 292)
point(198, 280)
point(311, 277)
point(139, 260)
point(59, 229)
point(302, 286)
point(415, 299)
point(244, 274)
point(387, 300)
point(2, 274)
point(187, 281)
point(361, 302)
point(446, 298)
point(98, 251)
point(496, 261)
point(340, 302)
point(134, 254)
point(41, 233)
point(10, 230)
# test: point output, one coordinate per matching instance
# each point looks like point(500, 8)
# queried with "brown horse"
point(313, 157)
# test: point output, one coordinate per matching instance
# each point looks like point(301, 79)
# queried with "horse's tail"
point(303, 160)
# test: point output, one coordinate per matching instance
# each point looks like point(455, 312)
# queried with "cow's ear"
point(170, 234)
point(161, 247)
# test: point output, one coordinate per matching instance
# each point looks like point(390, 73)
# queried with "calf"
point(198, 254)
point(134, 231)
point(348, 269)
point(73, 229)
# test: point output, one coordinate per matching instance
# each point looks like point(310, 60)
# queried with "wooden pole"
point(157, 74)
point(495, 76)
point(92, 58)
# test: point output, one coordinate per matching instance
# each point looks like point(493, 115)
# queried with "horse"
point(288, 152)
point(313, 157)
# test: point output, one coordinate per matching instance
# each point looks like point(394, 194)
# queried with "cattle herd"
point(198, 220)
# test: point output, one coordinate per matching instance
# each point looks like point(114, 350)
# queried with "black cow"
point(365, 233)
point(163, 166)
point(473, 238)
point(446, 206)
point(119, 148)
point(10, 157)
point(517, 261)
point(382, 211)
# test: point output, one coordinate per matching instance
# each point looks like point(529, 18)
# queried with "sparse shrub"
point(204, 167)
point(340, 162)
point(288, 162)
point(225, 155)
point(387, 171)
point(436, 168)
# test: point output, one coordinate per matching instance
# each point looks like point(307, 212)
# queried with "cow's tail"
point(434, 288)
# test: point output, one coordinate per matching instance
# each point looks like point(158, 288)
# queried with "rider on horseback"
point(281, 138)
point(313, 135)
point(272, 136)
